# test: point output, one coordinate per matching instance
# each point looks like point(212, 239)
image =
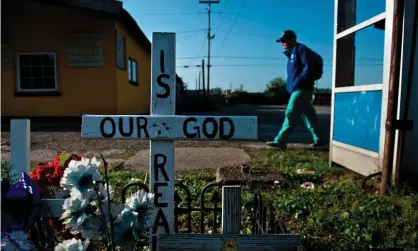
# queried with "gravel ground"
point(190, 155)
point(66, 141)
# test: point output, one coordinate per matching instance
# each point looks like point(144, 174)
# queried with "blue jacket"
point(298, 68)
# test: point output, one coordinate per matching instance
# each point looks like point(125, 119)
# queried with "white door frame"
point(358, 159)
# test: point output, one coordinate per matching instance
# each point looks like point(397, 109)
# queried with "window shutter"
point(120, 51)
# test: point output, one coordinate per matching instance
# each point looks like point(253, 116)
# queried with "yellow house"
point(65, 58)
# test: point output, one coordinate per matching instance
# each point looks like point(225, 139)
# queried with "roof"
point(113, 10)
point(130, 24)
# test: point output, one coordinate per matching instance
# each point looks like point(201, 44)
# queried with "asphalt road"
point(270, 119)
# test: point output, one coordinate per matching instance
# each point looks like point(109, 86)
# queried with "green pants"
point(300, 105)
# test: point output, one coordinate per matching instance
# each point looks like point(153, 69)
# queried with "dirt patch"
point(36, 155)
point(193, 158)
point(246, 173)
point(72, 141)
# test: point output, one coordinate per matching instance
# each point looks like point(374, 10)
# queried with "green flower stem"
point(108, 201)
point(96, 189)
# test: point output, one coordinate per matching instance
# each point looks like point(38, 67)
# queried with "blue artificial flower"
point(21, 203)
point(16, 241)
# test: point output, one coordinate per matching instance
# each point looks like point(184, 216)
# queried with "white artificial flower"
point(142, 204)
point(138, 214)
point(81, 174)
point(103, 192)
point(76, 210)
point(91, 228)
point(16, 241)
point(123, 226)
point(72, 245)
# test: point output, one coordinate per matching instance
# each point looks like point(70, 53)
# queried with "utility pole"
point(203, 77)
point(210, 36)
point(199, 81)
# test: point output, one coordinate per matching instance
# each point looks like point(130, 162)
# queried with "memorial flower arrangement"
point(47, 176)
point(90, 212)
point(20, 204)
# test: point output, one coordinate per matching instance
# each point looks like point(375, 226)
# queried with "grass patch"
point(336, 215)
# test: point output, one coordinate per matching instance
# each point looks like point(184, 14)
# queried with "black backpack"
point(318, 64)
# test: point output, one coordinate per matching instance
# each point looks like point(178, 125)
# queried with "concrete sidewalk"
point(186, 158)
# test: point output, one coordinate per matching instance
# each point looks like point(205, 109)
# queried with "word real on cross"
point(162, 127)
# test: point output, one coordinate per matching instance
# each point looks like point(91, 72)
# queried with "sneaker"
point(319, 144)
point(275, 144)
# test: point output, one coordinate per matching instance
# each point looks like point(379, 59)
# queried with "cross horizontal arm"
point(216, 242)
point(170, 127)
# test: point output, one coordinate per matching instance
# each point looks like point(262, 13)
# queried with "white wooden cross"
point(20, 146)
point(162, 127)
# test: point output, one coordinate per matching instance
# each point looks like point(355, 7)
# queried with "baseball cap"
point(286, 35)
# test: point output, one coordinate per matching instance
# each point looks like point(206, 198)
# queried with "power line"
point(236, 57)
point(262, 65)
point(224, 12)
point(189, 31)
point(273, 58)
point(185, 13)
point(174, 14)
point(198, 52)
point(188, 37)
point(223, 18)
point(233, 23)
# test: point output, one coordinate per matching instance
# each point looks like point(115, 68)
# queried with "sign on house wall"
point(85, 50)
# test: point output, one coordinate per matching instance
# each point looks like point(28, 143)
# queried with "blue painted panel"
point(357, 119)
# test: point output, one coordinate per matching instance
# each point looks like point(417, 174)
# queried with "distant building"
point(68, 58)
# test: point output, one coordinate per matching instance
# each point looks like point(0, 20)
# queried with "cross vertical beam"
point(163, 102)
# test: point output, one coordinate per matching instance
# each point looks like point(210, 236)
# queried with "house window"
point(133, 71)
point(84, 50)
point(36, 72)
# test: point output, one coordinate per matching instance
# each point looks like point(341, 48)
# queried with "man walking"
point(303, 67)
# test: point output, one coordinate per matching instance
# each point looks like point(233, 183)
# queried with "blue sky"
point(249, 28)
